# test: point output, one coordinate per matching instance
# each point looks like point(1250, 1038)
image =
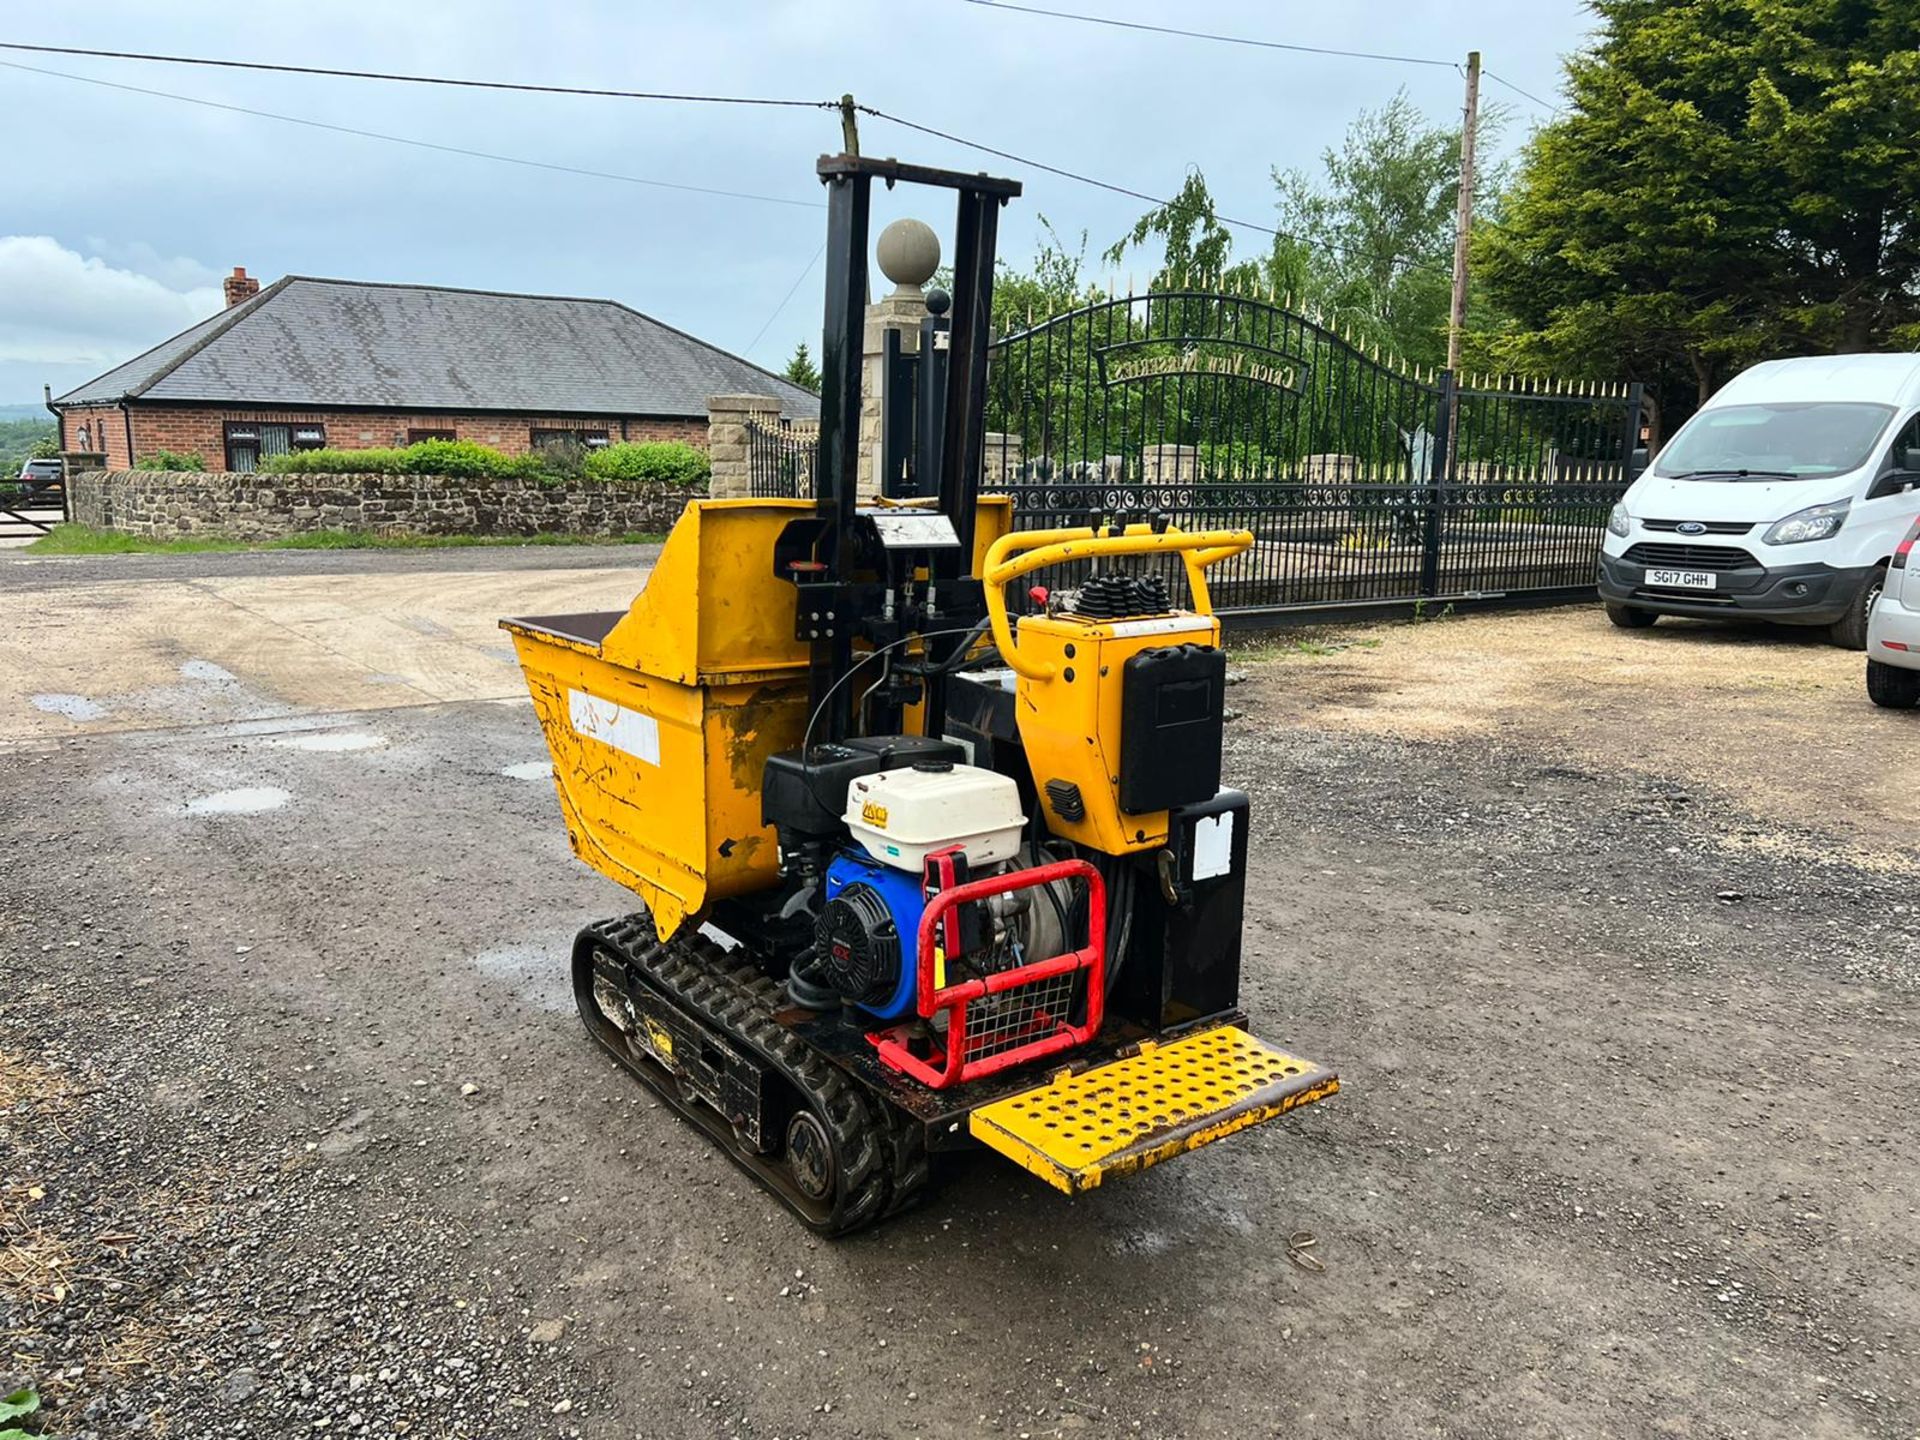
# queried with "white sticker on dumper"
point(1213, 846)
point(625, 730)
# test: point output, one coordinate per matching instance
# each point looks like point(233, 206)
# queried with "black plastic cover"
point(809, 795)
point(1173, 704)
point(1183, 958)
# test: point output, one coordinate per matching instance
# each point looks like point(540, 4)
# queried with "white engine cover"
point(900, 816)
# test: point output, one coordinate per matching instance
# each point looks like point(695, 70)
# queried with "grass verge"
point(84, 540)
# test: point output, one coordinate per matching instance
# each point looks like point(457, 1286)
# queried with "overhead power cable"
point(1108, 20)
point(786, 299)
point(1527, 94)
point(1049, 169)
point(416, 79)
point(1251, 41)
point(419, 144)
point(914, 125)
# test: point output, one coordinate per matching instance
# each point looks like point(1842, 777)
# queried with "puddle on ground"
point(537, 976)
point(252, 800)
point(73, 707)
point(207, 670)
point(333, 741)
point(532, 770)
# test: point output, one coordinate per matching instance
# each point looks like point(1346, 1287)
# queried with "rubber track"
point(880, 1153)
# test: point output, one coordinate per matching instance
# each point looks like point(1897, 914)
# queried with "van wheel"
point(1630, 617)
point(1892, 688)
point(1849, 632)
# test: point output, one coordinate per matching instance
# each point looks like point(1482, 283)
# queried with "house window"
point(415, 436)
point(556, 439)
point(248, 444)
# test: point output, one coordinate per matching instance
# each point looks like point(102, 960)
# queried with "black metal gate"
point(780, 458)
point(1366, 483)
point(28, 510)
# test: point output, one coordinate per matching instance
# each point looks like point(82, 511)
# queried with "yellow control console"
point(1088, 718)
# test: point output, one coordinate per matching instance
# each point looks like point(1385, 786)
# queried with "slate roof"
point(311, 342)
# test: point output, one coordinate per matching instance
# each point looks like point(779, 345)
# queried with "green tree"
point(802, 371)
point(1735, 179)
point(1054, 282)
point(1374, 232)
point(1195, 245)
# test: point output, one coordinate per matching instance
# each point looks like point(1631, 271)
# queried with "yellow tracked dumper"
point(929, 859)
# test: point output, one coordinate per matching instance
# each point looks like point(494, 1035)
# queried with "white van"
point(1782, 499)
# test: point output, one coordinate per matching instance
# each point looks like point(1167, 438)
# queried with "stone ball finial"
point(909, 253)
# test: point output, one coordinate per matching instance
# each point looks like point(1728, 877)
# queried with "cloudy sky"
point(122, 209)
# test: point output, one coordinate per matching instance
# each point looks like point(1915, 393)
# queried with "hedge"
point(650, 462)
point(647, 463)
point(171, 460)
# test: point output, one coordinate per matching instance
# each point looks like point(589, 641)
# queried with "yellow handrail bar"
point(1023, 552)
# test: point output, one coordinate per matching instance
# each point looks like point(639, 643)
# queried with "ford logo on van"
point(1691, 527)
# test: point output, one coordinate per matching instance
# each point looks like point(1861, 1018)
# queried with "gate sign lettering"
point(1122, 364)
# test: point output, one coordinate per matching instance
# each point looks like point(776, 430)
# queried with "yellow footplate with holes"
point(1147, 1107)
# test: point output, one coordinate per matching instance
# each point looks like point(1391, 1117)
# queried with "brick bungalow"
point(344, 364)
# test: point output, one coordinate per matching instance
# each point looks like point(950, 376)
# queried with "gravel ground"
point(1625, 1149)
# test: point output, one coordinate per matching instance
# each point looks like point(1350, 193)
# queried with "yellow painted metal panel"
point(1071, 726)
point(713, 605)
point(660, 731)
point(1164, 1101)
point(679, 823)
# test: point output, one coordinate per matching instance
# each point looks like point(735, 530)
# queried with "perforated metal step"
point(1137, 1111)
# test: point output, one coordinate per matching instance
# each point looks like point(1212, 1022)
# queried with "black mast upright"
point(837, 467)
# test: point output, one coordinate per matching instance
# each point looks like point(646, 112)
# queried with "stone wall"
point(166, 505)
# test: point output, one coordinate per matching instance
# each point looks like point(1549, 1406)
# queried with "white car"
point(1782, 499)
point(1893, 632)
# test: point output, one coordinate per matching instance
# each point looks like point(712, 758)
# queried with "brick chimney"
point(239, 286)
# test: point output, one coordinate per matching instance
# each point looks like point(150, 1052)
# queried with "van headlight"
point(1619, 522)
point(1816, 522)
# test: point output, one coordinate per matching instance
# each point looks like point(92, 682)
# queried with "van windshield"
point(1774, 442)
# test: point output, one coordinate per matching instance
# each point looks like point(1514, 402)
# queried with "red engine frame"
point(948, 1064)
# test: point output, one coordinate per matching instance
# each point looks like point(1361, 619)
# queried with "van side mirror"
point(1637, 463)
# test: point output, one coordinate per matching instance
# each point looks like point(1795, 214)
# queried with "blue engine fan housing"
point(869, 931)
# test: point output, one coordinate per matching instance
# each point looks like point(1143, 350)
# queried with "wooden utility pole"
point(1463, 218)
point(850, 126)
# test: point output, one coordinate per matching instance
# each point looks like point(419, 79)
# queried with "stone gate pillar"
point(727, 417)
